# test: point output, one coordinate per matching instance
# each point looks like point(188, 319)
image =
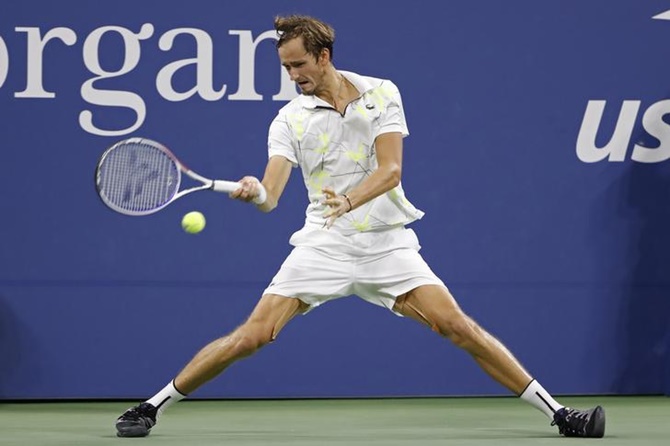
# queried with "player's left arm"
point(388, 148)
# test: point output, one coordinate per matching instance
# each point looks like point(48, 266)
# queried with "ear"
point(325, 55)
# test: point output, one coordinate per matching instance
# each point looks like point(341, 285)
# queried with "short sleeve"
point(280, 138)
point(393, 116)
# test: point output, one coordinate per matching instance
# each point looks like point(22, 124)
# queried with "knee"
point(459, 329)
point(247, 340)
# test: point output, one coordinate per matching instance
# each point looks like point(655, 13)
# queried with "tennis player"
point(345, 132)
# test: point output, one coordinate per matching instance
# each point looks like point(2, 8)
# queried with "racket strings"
point(137, 177)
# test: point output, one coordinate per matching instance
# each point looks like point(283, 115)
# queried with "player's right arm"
point(281, 159)
point(277, 173)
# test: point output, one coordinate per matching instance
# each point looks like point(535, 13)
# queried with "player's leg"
point(434, 306)
point(269, 316)
point(307, 274)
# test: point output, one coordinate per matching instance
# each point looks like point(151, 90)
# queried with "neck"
point(335, 91)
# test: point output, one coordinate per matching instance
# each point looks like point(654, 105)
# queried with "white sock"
point(165, 398)
point(535, 395)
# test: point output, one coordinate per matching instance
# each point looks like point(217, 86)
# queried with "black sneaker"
point(580, 423)
point(136, 421)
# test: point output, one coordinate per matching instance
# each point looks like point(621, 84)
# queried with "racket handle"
point(225, 186)
point(230, 186)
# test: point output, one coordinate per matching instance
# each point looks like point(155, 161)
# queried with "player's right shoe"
point(136, 421)
point(580, 423)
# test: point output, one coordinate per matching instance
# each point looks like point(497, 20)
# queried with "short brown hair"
point(316, 35)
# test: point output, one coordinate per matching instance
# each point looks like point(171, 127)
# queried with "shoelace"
point(136, 413)
point(573, 422)
point(132, 414)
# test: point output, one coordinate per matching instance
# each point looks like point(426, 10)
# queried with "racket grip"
point(225, 186)
point(231, 186)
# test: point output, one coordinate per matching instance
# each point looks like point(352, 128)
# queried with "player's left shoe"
point(580, 423)
point(136, 421)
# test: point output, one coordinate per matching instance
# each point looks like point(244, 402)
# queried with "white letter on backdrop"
point(35, 45)
point(204, 67)
point(112, 98)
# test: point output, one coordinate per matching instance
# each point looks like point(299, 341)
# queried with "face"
point(303, 68)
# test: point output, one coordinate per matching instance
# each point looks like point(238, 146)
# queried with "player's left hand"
point(338, 204)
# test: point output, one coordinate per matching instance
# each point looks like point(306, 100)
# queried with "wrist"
point(346, 197)
point(262, 195)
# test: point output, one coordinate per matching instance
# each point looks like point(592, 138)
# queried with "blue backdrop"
point(538, 149)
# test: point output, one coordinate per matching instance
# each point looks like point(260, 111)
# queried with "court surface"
point(416, 422)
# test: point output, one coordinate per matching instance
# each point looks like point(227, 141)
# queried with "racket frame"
point(221, 186)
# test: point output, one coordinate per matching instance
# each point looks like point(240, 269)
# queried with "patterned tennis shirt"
point(338, 151)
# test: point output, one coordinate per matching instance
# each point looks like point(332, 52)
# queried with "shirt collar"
point(362, 84)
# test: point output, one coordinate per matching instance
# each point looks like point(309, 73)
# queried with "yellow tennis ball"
point(193, 222)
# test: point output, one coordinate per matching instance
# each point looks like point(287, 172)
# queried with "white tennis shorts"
point(375, 266)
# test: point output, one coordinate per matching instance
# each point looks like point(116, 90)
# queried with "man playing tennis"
point(345, 132)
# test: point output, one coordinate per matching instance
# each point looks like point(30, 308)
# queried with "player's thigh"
point(272, 313)
point(381, 279)
point(433, 305)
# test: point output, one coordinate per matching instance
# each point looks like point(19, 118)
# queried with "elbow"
point(394, 175)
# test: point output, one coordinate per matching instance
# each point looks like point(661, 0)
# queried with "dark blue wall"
point(559, 249)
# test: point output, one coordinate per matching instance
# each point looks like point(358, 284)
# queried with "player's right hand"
point(250, 189)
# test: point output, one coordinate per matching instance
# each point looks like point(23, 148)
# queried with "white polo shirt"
point(339, 151)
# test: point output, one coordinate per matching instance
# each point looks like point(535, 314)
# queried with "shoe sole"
point(131, 434)
point(131, 431)
point(597, 424)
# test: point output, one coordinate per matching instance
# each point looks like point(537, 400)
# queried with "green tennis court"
point(413, 421)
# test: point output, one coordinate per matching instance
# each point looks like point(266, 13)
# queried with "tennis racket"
point(138, 176)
